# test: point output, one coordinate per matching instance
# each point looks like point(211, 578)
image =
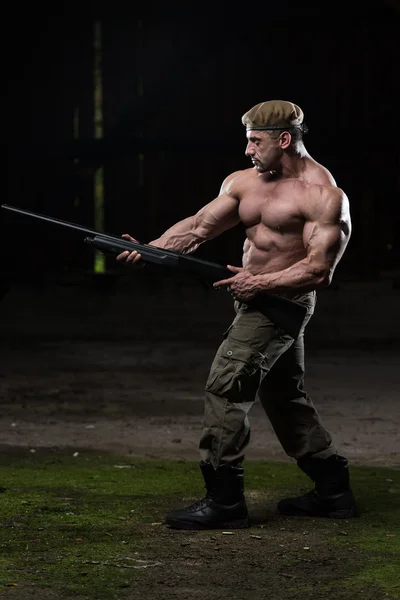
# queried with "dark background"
point(123, 347)
point(176, 82)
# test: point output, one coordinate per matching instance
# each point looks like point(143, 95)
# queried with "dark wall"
point(175, 86)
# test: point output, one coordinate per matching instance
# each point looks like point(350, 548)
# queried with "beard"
point(260, 167)
point(270, 161)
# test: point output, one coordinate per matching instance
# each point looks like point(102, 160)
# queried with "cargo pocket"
point(236, 372)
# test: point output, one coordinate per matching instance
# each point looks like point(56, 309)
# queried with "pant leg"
point(290, 410)
point(250, 347)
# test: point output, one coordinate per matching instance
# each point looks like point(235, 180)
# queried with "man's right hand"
point(130, 257)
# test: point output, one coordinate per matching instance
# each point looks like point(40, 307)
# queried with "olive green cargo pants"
point(256, 357)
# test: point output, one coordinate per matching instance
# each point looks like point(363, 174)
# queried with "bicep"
point(325, 243)
point(327, 234)
point(218, 216)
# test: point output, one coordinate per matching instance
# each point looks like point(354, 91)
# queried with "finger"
point(235, 269)
point(222, 282)
point(137, 262)
point(128, 237)
point(123, 255)
point(134, 257)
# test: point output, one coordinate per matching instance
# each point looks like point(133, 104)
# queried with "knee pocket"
point(236, 372)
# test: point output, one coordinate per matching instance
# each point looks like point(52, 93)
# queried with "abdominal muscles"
point(268, 251)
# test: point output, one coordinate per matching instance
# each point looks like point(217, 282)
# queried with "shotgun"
point(283, 312)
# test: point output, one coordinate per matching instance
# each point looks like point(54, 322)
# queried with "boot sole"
point(343, 514)
point(337, 514)
point(239, 524)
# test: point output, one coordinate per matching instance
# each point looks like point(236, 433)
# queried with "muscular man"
point(297, 225)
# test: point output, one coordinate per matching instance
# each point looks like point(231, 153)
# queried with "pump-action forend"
point(285, 313)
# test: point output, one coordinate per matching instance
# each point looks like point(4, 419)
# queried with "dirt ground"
point(147, 399)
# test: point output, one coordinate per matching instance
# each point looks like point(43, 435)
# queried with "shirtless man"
point(297, 227)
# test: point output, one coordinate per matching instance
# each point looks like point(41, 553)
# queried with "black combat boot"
point(224, 505)
point(331, 497)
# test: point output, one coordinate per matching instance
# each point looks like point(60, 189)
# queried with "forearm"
point(300, 277)
point(184, 237)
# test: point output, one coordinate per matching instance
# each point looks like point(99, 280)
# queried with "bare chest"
point(274, 207)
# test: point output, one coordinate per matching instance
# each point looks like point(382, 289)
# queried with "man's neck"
point(293, 162)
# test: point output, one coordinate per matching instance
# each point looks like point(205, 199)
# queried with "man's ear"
point(285, 139)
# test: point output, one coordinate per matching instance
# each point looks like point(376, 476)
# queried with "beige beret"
point(275, 114)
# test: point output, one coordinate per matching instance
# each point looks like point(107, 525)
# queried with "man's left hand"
point(242, 286)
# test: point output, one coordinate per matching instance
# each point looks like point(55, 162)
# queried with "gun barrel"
point(50, 219)
point(91, 232)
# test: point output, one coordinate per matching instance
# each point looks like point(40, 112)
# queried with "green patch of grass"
point(377, 533)
point(64, 518)
point(373, 539)
point(89, 526)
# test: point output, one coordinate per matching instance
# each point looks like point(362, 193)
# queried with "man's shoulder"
point(326, 200)
point(318, 174)
point(242, 175)
point(308, 189)
point(235, 182)
point(323, 192)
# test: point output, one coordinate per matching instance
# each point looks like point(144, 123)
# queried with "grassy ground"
point(90, 527)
